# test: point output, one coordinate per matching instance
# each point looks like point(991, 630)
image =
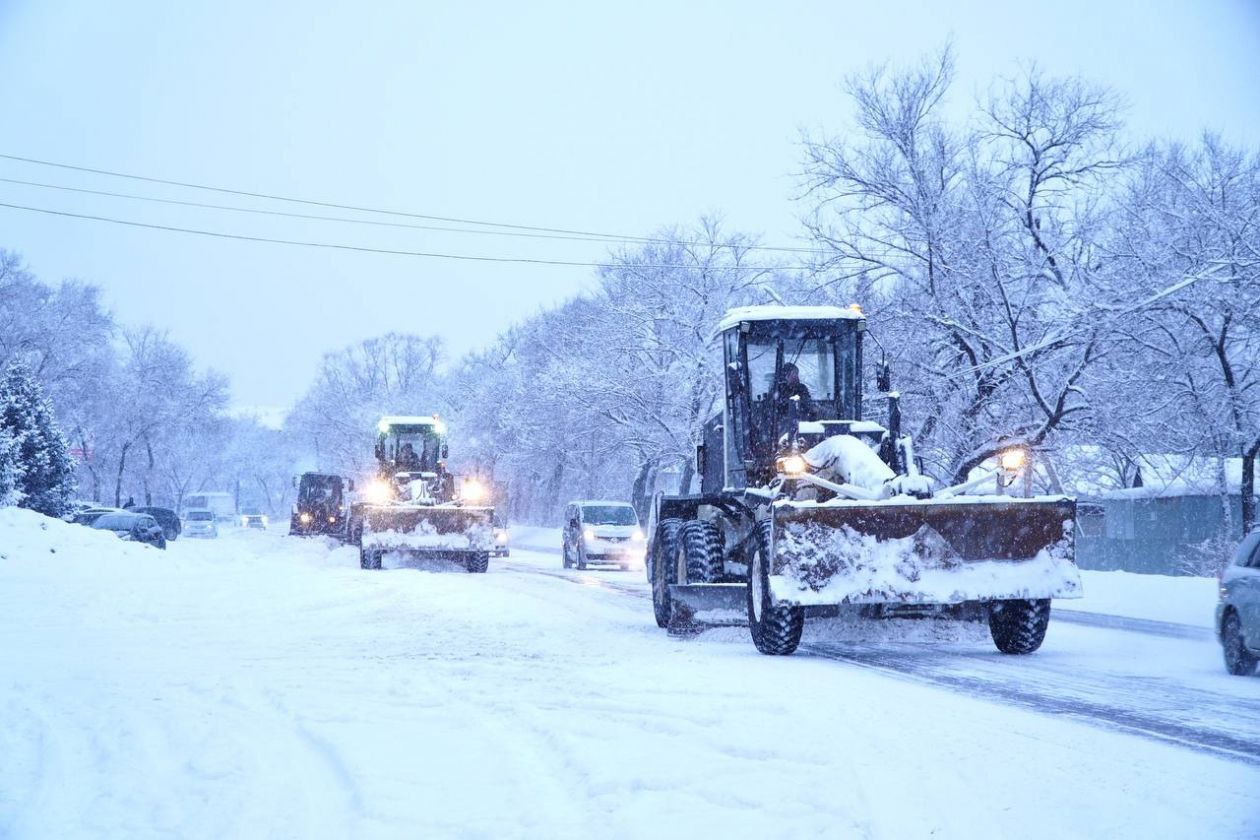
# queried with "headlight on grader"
point(792, 465)
point(377, 492)
point(1013, 460)
point(474, 491)
point(305, 518)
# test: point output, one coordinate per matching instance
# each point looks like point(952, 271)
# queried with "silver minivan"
point(602, 532)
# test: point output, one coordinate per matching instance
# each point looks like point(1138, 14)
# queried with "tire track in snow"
point(1133, 721)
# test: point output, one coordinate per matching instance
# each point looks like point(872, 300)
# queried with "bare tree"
point(974, 251)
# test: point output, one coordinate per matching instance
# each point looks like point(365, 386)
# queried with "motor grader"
point(414, 507)
point(808, 509)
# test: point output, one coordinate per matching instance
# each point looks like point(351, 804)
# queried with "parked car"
point(602, 532)
point(89, 515)
point(200, 523)
point(254, 520)
point(1238, 612)
point(139, 527)
point(168, 519)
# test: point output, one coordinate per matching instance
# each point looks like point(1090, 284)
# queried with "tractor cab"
point(322, 491)
point(411, 454)
point(793, 377)
point(411, 445)
point(321, 504)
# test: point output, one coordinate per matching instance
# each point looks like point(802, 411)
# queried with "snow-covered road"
point(263, 686)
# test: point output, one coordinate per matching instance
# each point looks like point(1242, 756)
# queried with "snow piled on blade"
point(426, 536)
point(850, 459)
point(842, 566)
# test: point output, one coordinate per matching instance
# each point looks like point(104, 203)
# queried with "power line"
point(360, 248)
point(309, 216)
point(611, 237)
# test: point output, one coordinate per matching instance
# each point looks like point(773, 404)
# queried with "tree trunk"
point(1248, 487)
point(122, 465)
point(684, 484)
point(640, 493)
point(148, 473)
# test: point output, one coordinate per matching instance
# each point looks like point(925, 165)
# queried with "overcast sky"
point(621, 118)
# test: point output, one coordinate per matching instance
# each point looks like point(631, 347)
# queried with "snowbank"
point(1181, 600)
point(29, 536)
point(264, 686)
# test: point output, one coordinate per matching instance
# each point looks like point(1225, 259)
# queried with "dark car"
point(139, 527)
point(1238, 612)
point(168, 519)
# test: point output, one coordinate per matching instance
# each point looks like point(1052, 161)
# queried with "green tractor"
point(322, 506)
point(413, 507)
point(806, 508)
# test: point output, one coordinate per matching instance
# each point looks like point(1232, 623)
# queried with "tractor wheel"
point(776, 628)
point(564, 555)
point(701, 545)
point(661, 570)
point(1238, 660)
point(479, 563)
point(1019, 626)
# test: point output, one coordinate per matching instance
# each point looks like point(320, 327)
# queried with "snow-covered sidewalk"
point(263, 686)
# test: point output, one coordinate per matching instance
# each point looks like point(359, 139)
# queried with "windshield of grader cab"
point(825, 366)
point(402, 441)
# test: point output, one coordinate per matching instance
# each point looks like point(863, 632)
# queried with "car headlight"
point(792, 465)
point(501, 537)
point(305, 518)
point(638, 535)
point(244, 520)
point(266, 520)
point(589, 534)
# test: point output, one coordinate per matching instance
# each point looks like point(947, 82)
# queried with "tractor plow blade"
point(422, 529)
point(923, 551)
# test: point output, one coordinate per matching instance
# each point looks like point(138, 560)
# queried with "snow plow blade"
point(429, 529)
point(923, 551)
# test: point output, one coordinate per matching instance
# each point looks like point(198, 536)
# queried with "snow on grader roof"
point(735, 316)
point(404, 420)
